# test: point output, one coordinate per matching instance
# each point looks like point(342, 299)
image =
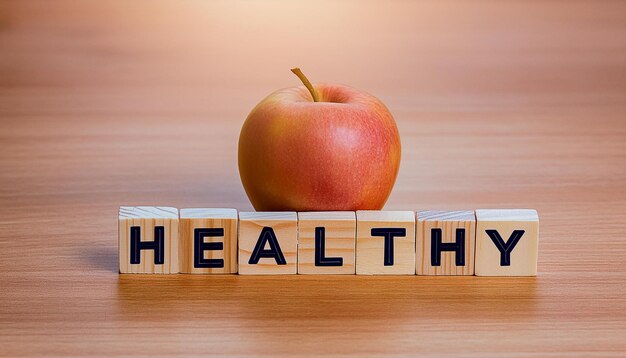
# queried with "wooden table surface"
point(499, 104)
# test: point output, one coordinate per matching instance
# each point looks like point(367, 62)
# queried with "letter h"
point(437, 246)
point(136, 245)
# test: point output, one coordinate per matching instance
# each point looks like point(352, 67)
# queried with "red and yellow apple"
point(319, 147)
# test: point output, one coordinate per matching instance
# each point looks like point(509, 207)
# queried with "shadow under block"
point(326, 242)
point(268, 243)
point(385, 243)
point(148, 239)
point(445, 242)
point(208, 241)
point(506, 242)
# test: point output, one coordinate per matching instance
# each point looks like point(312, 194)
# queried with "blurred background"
point(153, 94)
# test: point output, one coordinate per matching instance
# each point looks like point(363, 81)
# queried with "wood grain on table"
point(499, 105)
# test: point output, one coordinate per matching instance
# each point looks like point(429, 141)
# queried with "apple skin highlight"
point(341, 153)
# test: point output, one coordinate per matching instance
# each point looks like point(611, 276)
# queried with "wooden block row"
point(489, 242)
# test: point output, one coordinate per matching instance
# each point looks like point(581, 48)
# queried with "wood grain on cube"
point(371, 246)
point(448, 225)
point(338, 234)
point(502, 228)
point(143, 220)
point(284, 225)
point(207, 226)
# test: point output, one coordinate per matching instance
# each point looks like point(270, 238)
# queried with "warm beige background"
point(499, 104)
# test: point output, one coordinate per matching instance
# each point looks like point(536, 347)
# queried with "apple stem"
point(306, 83)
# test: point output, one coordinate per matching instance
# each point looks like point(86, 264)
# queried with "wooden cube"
point(208, 241)
point(326, 241)
point(506, 242)
point(445, 242)
point(148, 239)
point(385, 243)
point(268, 243)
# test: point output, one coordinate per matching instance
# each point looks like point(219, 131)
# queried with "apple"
point(319, 148)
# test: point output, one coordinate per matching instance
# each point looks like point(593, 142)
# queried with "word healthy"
point(484, 242)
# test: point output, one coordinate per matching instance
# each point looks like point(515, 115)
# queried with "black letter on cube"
point(389, 234)
point(267, 236)
point(320, 250)
point(158, 245)
point(200, 246)
point(436, 247)
point(505, 248)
